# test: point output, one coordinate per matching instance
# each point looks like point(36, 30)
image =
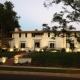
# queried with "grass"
point(48, 59)
point(56, 59)
point(40, 70)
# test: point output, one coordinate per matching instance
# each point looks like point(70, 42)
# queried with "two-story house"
point(35, 40)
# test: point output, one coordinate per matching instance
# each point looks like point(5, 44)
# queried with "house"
point(35, 40)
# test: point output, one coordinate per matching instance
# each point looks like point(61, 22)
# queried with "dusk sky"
point(33, 13)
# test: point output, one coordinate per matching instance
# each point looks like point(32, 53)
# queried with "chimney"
point(16, 29)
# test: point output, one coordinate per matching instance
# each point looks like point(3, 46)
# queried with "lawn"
point(39, 70)
point(59, 59)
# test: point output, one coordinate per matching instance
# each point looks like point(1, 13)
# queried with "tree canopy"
point(63, 20)
point(8, 21)
point(8, 18)
point(71, 16)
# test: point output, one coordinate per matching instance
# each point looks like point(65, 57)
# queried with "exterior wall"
point(43, 38)
point(60, 42)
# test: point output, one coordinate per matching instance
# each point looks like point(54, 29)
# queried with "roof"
point(36, 31)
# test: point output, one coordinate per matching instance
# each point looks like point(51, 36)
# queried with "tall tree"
point(8, 21)
point(71, 16)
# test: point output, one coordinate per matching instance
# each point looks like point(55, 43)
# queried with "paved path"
point(41, 73)
point(21, 54)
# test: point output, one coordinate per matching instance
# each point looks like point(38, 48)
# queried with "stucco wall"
point(43, 38)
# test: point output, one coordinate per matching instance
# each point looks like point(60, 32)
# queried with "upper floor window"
point(25, 34)
point(48, 34)
point(33, 35)
point(19, 34)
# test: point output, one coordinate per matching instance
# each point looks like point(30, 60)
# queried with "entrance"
point(37, 44)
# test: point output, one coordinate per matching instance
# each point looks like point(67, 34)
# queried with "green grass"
point(56, 59)
point(8, 54)
point(40, 70)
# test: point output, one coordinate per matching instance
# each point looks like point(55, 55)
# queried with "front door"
point(37, 45)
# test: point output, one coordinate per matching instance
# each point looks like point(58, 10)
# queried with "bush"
point(8, 54)
point(63, 50)
point(44, 49)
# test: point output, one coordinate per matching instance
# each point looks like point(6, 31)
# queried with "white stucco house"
point(35, 40)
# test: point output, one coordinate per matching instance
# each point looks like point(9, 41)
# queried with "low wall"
point(22, 60)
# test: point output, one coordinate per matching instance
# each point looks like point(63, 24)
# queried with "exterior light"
point(16, 60)
point(4, 59)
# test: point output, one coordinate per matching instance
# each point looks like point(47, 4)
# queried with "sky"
point(33, 13)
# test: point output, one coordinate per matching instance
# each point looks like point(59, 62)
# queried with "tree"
point(8, 21)
point(71, 16)
point(8, 18)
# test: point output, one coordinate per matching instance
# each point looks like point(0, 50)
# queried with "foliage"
point(71, 43)
point(8, 21)
point(60, 59)
point(8, 18)
point(63, 50)
point(78, 37)
point(8, 54)
point(44, 49)
point(64, 17)
point(72, 15)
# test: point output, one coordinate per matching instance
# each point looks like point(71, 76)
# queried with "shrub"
point(8, 54)
point(63, 50)
point(44, 49)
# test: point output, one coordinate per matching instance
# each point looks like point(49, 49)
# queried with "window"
point(37, 44)
point(48, 34)
point(33, 35)
point(19, 34)
point(72, 46)
point(22, 45)
point(51, 45)
point(25, 34)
